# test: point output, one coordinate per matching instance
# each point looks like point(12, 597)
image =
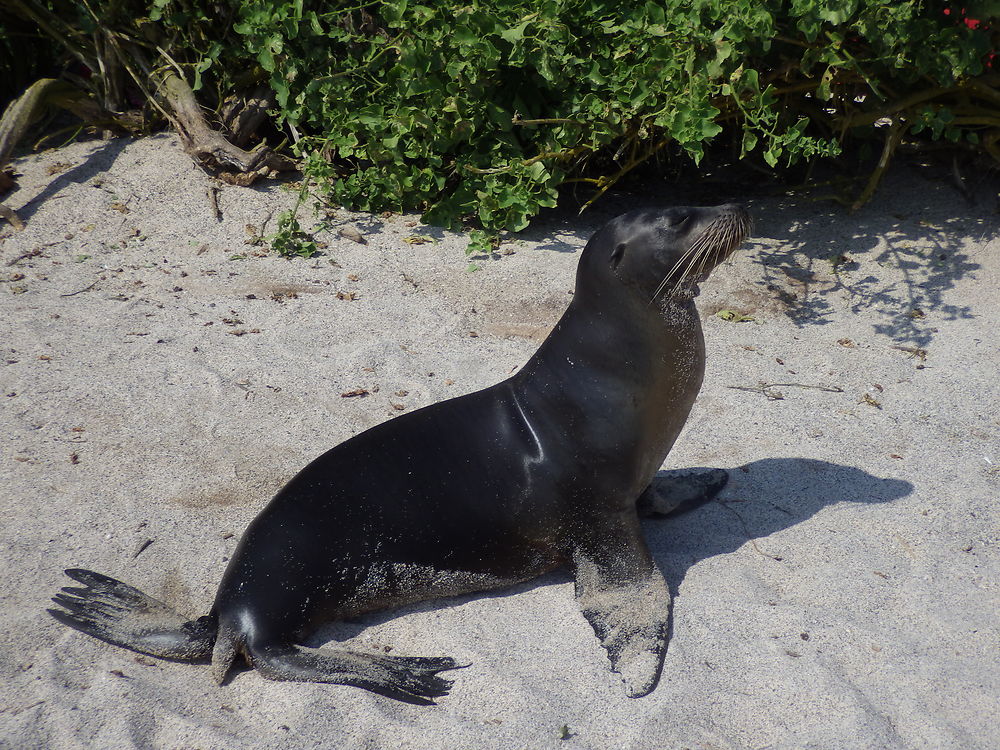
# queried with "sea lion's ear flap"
point(617, 254)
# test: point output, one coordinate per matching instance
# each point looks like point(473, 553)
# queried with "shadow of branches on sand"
point(921, 254)
point(894, 260)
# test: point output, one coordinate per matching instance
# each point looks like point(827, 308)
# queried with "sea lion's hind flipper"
point(124, 616)
point(674, 492)
point(412, 679)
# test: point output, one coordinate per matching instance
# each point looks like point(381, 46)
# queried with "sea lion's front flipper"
point(680, 490)
point(626, 600)
point(124, 616)
point(412, 679)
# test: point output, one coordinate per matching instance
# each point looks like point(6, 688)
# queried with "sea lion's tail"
point(121, 615)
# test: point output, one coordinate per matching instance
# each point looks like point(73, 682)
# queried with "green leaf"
point(515, 33)
point(266, 59)
point(481, 243)
point(734, 317)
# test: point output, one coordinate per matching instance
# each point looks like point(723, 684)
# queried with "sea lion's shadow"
point(762, 497)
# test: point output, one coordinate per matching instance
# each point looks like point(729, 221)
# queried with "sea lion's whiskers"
point(699, 252)
point(666, 277)
point(722, 236)
point(695, 256)
point(703, 263)
point(683, 260)
point(688, 259)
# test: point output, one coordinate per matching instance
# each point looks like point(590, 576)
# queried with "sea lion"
point(550, 467)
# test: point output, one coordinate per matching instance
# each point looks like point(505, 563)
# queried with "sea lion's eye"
point(678, 220)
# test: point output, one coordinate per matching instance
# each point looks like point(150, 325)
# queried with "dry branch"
point(208, 145)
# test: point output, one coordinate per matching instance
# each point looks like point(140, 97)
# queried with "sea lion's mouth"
point(688, 287)
point(714, 244)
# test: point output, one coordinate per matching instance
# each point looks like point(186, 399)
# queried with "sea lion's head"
point(662, 254)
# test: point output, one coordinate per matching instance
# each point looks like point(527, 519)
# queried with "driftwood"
point(241, 116)
point(28, 108)
point(209, 147)
point(17, 118)
point(113, 57)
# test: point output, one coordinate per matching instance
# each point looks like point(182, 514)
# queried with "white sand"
point(843, 593)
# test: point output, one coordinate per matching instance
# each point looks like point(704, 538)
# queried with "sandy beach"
point(162, 376)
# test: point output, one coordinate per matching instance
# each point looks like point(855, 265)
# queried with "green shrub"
point(484, 109)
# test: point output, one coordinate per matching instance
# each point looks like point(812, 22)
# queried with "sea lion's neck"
point(613, 346)
point(624, 332)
